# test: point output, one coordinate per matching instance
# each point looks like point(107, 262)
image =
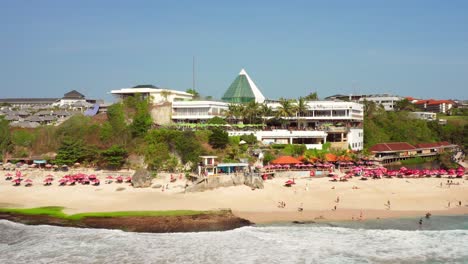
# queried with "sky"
point(289, 48)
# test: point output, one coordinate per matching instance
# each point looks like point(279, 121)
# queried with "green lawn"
point(56, 211)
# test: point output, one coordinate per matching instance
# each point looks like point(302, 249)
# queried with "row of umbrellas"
point(67, 179)
point(405, 172)
point(299, 165)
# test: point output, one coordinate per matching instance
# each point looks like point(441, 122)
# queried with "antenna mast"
point(193, 73)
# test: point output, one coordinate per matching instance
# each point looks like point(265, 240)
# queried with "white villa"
point(156, 94)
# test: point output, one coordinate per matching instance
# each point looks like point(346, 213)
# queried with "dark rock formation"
point(155, 224)
point(141, 179)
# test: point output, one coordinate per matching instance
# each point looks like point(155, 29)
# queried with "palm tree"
point(285, 109)
point(251, 111)
point(234, 112)
point(312, 97)
point(265, 111)
point(301, 108)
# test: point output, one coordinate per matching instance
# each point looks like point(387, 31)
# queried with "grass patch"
point(57, 211)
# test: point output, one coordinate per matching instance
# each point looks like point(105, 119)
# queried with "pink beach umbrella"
point(17, 181)
point(28, 182)
point(128, 179)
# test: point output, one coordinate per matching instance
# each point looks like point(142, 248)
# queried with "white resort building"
point(337, 122)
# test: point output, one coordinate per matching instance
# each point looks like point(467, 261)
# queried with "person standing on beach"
point(448, 204)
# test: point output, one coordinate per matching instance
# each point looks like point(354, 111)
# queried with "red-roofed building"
point(286, 160)
point(395, 151)
point(392, 147)
point(425, 149)
point(435, 106)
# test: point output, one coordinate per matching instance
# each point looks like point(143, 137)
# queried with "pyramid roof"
point(243, 90)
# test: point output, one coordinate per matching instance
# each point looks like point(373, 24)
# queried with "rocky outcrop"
point(141, 179)
point(216, 221)
point(213, 182)
point(253, 182)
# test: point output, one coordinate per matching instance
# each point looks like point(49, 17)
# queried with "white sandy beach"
point(408, 197)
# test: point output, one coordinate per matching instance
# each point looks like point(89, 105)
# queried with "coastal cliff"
point(151, 224)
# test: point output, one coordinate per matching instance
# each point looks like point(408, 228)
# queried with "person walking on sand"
point(301, 208)
point(448, 204)
point(459, 203)
point(337, 199)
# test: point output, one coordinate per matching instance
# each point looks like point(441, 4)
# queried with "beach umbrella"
point(289, 182)
point(17, 181)
point(128, 179)
point(109, 177)
point(48, 166)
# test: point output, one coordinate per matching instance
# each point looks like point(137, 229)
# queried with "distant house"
point(388, 101)
point(428, 116)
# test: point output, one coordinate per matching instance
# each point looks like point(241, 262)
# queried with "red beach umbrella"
point(109, 177)
point(289, 182)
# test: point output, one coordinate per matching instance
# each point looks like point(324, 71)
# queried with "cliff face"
point(151, 224)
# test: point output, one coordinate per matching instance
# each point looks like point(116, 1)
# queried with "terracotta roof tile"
point(392, 146)
point(285, 160)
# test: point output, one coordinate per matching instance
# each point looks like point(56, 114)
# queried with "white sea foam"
point(269, 244)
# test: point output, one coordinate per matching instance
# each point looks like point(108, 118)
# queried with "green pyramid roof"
point(239, 91)
point(243, 90)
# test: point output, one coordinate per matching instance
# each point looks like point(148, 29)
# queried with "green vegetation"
point(142, 120)
point(398, 126)
point(160, 143)
point(5, 137)
point(57, 212)
point(417, 160)
point(114, 157)
point(219, 138)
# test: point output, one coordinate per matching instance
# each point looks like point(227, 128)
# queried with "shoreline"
point(347, 215)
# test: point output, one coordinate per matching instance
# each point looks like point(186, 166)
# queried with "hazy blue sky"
point(289, 48)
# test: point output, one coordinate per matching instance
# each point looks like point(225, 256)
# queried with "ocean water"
point(439, 240)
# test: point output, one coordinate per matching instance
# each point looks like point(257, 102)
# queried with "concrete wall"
point(161, 113)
